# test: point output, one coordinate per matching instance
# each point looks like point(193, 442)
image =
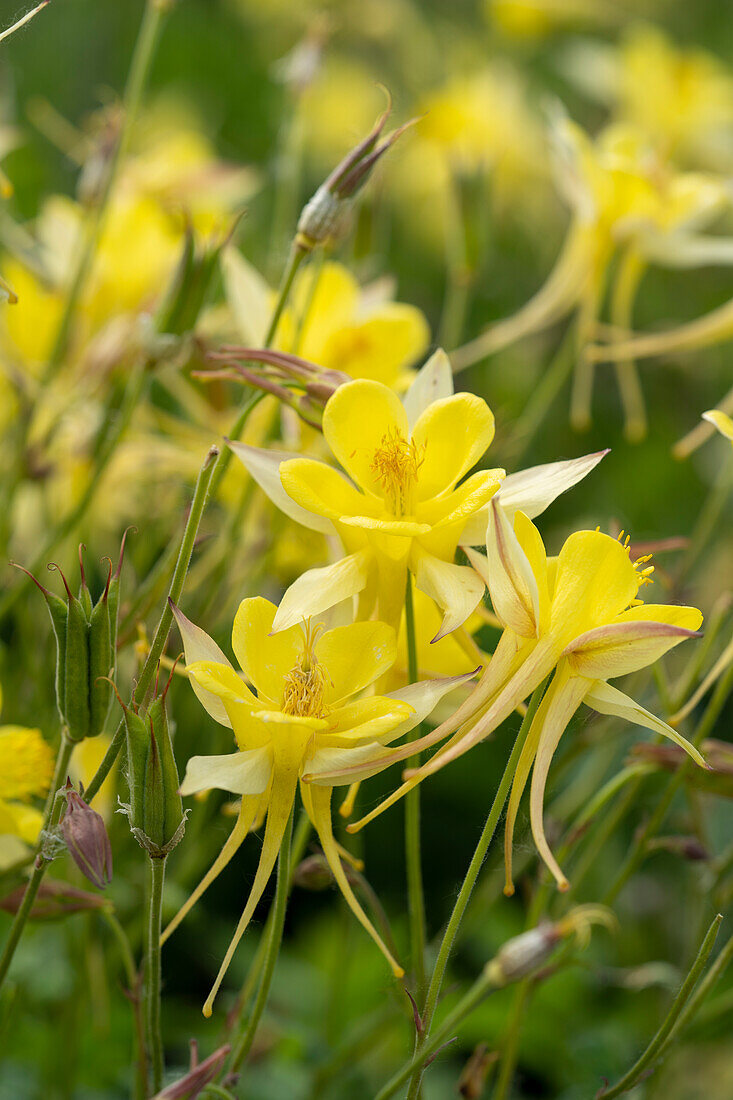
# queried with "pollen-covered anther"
point(305, 684)
point(396, 465)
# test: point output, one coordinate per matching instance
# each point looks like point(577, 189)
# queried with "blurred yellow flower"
point(331, 320)
point(26, 768)
point(623, 201)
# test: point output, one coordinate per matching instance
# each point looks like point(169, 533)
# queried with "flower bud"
point(54, 901)
point(86, 838)
point(297, 383)
point(155, 811)
point(86, 650)
point(322, 214)
point(313, 873)
point(522, 955)
point(190, 285)
point(197, 1078)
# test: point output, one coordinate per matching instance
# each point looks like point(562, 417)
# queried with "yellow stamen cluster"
point(645, 575)
point(26, 763)
point(396, 464)
point(304, 690)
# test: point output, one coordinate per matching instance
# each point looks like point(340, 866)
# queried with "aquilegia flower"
point(578, 614)
point(404, 507)
point(310, 714)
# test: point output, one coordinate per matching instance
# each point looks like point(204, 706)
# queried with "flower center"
point(395, 465)
point(305, 684)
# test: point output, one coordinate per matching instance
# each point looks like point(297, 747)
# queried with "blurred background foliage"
point(219, 70)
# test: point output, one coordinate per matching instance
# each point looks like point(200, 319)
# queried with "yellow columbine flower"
point(26, 767)
point(406, 509)
point(578, 614)
point(359, 331)
point(681, 98)
point(623, 200)
point(310, 715)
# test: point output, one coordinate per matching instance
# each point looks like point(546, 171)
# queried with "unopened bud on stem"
point(86, 839)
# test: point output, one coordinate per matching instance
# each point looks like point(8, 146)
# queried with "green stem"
point(140, 64)
point(200, 497)
point(469, 882)
point(480, 989)
point(154, 1040)
point(544, 393)
point(415, 894)
point(652, 1052)
point(133, 995)
point(695, 1002)
point(510, 1046)
point(51, 815)
point(244, 1043)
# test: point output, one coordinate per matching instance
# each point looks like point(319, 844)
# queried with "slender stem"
point(652, 1052)
point(472, 874)
point(692, 1007)
point(415, 894)
point(510, 1045)
point(140, 64)
point(133, 995)
point(154, 1040)
point(544, 393)
point(244, 1043)
point(51, 815)
point(200, 497)
point(481, 988)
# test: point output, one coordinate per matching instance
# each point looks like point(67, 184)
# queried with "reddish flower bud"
point(86, 838)
point(53, 901)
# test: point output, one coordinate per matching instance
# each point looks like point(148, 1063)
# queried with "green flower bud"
point(86, 647)
point(155, 811)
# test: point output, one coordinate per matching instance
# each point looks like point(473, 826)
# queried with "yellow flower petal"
point(355, 421)
point(456, 589)
point(26, 763)
point(454, 432)
point(354, 656)
point(264, 467)
point(198, 646)
point(609, 700)
point(265, 658)
point(721, 421)
point(512, 582)
point(317, 801)
point(278, 814)
point(595, 581)
point(432, 382)
point(566, 694)
point(247, 814)
point(634, 642)
point(318, 589)
point(245, 772)
point(322, 490)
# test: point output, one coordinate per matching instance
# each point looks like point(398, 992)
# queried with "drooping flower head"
point(309, 712)
point(578, 614)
